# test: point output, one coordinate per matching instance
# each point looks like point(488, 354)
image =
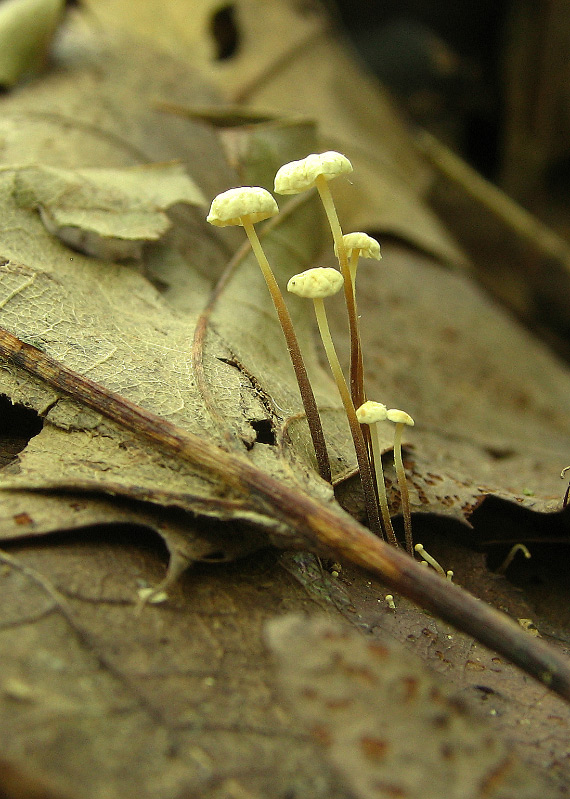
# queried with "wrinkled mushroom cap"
point(371, 412)
point(399, 417)
point(322, 281)
point(230, 206)
point(369, 247)
point(299, 176)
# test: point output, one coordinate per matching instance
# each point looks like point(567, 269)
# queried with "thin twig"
point(325, 527)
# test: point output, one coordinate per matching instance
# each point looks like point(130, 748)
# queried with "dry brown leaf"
point(433, 344)
point(288, 60)
point(386, 725)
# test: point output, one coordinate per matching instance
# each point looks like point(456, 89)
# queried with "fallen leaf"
point(225, 440)
point(106, 213)
point(385, 724)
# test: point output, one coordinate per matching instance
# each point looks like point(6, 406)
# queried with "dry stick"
point(366, 477)
point(324, 526)
point(309, 402)
point(356, 375)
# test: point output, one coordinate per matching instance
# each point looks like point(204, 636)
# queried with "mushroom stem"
point(353, 266)
point(355, 429)
point(430, 561)
point(509, 559)
point(403, 485)
point(377, 456)
point(307, 396)
point(356, 371)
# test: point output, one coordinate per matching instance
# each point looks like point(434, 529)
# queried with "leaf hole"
point(264, 431)
point(225, 32)
point(18, 425)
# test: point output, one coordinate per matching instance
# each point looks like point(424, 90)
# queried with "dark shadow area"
point(225, 32)
point(18, 425)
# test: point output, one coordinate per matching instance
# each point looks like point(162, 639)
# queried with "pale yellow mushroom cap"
point(371, 412)
point(322, 281)
point(299, 176)
point(369, 247)
point(399, 417)
point(230, 206)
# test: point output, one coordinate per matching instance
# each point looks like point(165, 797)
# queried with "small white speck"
point(152, 596)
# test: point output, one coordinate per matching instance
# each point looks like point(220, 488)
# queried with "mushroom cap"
point(322, 281)
point(371, 412)
point(253, 201)
point(298, 176)
point(399, 417)
point(369, 247)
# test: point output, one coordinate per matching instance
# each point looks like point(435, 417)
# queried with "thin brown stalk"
point(356, 376)
point(360, 448)
point(305, 388)
point(325, 527)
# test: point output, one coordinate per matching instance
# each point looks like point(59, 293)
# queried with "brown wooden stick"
point(325, 527)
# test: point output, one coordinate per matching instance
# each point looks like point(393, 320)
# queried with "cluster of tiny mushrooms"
point(247, 205)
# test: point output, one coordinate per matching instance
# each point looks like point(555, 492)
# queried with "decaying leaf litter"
point(63, 305)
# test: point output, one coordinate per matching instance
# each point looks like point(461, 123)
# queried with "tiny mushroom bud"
point(401, 419)
point(390, 600)
point(316, 284)
point(370, 413)
point(317, 170)
point(245, 206)
point(431, 561)
point(509, 559)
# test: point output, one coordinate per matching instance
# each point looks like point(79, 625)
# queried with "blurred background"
point(489, 78)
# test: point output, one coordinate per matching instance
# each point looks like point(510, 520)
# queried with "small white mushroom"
point(359, 245)
point(298, 176)
point(245, 206)
point(316, 284)
point(250, 203)
point(317, 170)
point(401, 419)
point(371, 413)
